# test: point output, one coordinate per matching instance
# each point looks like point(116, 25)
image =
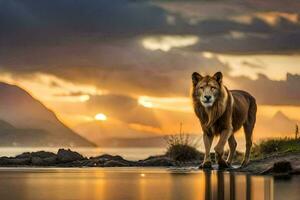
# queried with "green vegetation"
point(275, 146)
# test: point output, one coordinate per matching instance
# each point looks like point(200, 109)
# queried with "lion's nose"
point(207, 97)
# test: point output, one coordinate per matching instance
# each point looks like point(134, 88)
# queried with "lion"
point(222, 112)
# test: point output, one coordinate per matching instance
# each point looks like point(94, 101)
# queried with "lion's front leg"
point(232, 147)
point(207, 139)
point(219, 148)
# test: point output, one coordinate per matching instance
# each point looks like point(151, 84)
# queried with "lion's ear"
point(196, 77)
point(219, 77)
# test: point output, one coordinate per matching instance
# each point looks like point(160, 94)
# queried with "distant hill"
point(281, 123)
point(278, 126)
point(25, 121)
point(11, 136)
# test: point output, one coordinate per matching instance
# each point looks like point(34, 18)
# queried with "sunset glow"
point(137, 81)
point(145, 101)
point(166, 43)
point(149, 99)
point(100, 117)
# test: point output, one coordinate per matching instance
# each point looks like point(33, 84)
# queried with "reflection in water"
point(220, 185)
point(137, 184)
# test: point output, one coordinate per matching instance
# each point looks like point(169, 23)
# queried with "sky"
point(123, 68)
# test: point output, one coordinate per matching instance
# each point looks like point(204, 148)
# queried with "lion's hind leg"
point(248, 130)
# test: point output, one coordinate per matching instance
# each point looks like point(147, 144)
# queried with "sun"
point(100, 117)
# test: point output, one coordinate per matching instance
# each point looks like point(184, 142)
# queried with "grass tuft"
point(275, 146)
point(182, 148)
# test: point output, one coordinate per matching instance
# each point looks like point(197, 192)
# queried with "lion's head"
point(207, 88)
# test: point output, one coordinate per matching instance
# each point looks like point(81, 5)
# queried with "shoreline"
point(282, 165)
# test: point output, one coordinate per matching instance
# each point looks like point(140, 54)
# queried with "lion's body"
point(230, 111)
point(243, 112)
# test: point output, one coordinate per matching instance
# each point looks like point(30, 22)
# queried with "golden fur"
point(222, 112)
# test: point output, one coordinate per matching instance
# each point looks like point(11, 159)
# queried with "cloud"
point(252, 65)
point(53, 22)
point(123, 108)
point(64, 22)
point(124, 69)
point(272, 92)
point(100, 42)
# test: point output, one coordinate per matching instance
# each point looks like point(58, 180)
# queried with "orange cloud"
point(145, 128)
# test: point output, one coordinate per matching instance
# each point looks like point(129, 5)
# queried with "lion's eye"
point(201, 88)
point(213, 88)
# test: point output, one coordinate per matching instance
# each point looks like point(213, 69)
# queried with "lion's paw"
point(223, 164)
point(206, 165)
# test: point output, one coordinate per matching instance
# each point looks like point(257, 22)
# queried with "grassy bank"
point(275, 146)
point(182, 148)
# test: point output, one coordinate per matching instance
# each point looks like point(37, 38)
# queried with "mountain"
point(277, 126)
point(30, 123)
point(12, 136)
point(281, 123)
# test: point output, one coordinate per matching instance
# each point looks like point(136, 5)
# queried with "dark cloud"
point(29, 23)
point(99, 42)
point(54, 22)
point(124, 69)
point(272, 92)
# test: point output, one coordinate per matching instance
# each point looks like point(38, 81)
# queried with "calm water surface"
point(139, 184)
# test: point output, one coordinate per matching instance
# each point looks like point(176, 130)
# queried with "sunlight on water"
point(135, 184)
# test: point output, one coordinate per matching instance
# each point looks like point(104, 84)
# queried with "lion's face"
point(207, 88)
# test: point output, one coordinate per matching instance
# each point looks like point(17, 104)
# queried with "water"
point(127, 153)
point(139, 184)
point(135, 183)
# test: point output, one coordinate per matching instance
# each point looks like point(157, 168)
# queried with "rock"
point(280, 170)
point(101, 160)
point(65, 156)
point(48, 161)
point(106, 157)
point(39, 158)
point(43, 154)
point(115, 163)
point(24, 155)
point(157, 161)
point(90, 163)
point(37, 161)
point(14, 161)
point(282, 167)
point(95, 162)
point(4, 160)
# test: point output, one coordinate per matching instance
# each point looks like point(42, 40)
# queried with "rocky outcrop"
point(157, 161)
point(277, 165)
point(280, 166)
point(66, 156)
